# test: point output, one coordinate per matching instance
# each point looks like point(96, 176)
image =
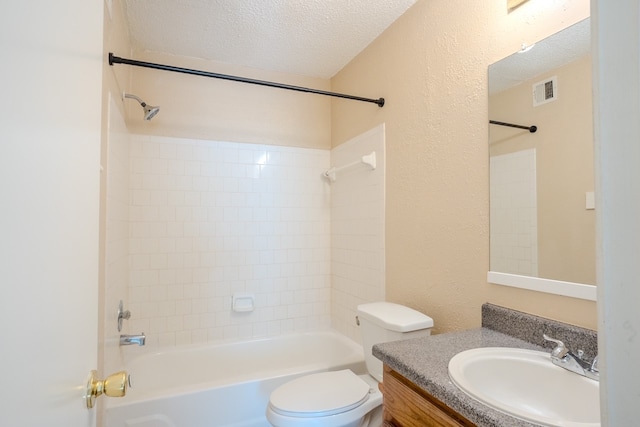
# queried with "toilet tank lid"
point(394, 317)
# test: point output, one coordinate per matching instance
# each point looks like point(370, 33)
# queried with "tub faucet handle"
point(122, 314)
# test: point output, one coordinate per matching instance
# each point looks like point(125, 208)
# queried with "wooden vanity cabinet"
point(407, 405)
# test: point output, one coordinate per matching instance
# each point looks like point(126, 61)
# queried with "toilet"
point(342, 398)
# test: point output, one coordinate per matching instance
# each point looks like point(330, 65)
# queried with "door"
point(50, 115)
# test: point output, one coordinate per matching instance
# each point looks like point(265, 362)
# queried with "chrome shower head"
point(149, 110)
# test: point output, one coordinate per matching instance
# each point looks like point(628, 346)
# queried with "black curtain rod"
point(117, 60)
point(531, 129)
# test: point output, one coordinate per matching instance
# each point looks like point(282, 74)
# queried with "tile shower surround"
point(357, 230)
point(207, 219)
point(514, 213)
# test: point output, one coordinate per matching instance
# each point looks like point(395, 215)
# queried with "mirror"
point(541, 182)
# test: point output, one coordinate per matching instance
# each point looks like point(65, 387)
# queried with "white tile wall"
point(208, 219)
point(357, 230)
point(514, 213)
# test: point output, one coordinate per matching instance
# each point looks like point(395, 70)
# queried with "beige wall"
point(431, 66)
point(565, 168)
point(213, 109)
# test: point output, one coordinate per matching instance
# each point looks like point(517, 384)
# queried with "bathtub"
point(225, 385)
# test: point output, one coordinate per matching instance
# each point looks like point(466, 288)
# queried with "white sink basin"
point(526, 385)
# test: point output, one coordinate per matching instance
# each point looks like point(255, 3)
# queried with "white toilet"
point(342, 398)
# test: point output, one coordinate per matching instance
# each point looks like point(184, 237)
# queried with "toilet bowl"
point(342, 398)
point(327, 399)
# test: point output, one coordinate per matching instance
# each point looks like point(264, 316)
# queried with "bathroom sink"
point(526, 385)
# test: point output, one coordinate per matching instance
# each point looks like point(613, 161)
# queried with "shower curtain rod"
point(118, 60)
point(531, 129)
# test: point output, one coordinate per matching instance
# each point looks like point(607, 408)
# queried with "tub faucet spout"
point(132, 339)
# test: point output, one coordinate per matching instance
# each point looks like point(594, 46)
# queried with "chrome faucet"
point(574, 362)
point(132, 339)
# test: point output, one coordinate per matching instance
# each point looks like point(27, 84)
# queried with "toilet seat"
point(319, 395)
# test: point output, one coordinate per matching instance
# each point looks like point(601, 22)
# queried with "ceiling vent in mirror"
point(545, 91)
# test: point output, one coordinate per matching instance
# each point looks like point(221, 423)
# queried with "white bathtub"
point(224, 385)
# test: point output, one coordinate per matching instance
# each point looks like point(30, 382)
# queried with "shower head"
point(149, 110)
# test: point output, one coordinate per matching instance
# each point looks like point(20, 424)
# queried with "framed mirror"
point(542, 217)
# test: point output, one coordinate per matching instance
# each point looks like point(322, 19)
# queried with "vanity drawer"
point(407, 405)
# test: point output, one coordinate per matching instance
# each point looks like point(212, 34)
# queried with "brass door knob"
point(115, 385)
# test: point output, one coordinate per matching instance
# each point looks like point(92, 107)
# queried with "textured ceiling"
point(314, 38)
point(553, 52)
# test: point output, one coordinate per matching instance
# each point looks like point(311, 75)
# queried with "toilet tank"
point(384, 322)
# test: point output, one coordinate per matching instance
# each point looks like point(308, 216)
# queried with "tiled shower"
point(514, 213)
point(207, 219)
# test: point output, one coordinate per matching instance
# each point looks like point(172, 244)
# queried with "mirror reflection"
point(541, 184)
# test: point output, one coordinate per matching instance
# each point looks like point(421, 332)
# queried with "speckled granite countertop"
point(424, 360)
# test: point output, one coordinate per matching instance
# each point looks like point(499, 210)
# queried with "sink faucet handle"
point(594, 364)
point(560, 351)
